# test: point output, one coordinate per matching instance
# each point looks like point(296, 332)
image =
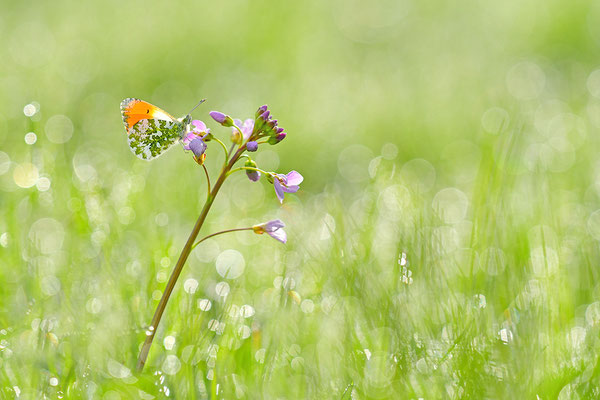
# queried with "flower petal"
point(282, 178)
point(273, 225)
point(279, 234)
point(217, 116)
point(294, 178)
point(278, 189)
point(197, 146)
point(200, 126)
point(291, 188)
point(247, 128)
point(188, 139)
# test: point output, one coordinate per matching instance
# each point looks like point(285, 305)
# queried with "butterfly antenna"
point(196, 106)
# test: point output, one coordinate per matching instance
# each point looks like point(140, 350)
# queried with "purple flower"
point(198, 147)
point(286, 183)
point(247, 127)
point(221, 118)
point(252, 146)
point(272, 228)
point(199, 131)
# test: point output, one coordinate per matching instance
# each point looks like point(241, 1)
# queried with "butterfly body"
point(150, 130)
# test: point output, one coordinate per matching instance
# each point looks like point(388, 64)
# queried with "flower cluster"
point(253, 132)
point(263, 126)
point(248, 134)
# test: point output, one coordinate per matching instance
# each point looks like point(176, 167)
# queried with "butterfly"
point(150, 130)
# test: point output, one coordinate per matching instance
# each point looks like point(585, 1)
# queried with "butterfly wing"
point(150, 130)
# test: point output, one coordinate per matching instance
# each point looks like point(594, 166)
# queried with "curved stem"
point(207, 180)
point(239, 130)
point(248, 168)
point(162, 304)
point(220, 233)
point(224, 148)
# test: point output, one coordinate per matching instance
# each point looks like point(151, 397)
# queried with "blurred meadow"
point(444, 243)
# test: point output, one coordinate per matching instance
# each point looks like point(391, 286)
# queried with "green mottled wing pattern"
point(149, 138)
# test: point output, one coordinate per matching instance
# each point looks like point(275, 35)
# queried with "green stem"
point(248, 168)
point(220, 233)
point(162, 304)
point(207, 181)
point(224, 148)
point(239, 130)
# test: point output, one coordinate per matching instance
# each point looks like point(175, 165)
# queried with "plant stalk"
point(162, 304)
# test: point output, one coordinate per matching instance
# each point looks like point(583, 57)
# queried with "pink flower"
point(247, 126)
point(199, 130)
point(286, 183)
point(272, 228)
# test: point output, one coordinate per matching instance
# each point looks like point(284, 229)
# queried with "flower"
point(198, 147)
point(272, 228)
point(252, 146)
point(193, 140)
point(286, 183)
point(221, 118)
point(253, 175)
point(247, 127)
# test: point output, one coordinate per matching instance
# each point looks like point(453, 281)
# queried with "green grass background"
point(444, 243)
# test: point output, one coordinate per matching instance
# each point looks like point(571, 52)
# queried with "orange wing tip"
point(134, 110)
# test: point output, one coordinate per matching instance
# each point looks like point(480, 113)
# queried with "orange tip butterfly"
point(150, 130)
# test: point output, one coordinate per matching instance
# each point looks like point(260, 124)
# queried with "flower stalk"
point(162, 304)
point(244, 137)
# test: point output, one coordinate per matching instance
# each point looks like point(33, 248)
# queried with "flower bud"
point(277, 138)
point(252, 146)
point(236, 137)
point(221, 118)
point(252, 175)
point(198, 147)
point(261, 120)
point(260, 110)
point(270, 127)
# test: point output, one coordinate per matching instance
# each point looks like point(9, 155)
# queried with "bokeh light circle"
point(59, 129)
point(230, 264)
